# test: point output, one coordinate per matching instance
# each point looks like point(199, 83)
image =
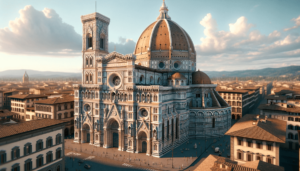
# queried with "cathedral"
point(147, 102)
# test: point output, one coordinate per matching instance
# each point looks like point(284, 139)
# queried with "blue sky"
point(228, 35)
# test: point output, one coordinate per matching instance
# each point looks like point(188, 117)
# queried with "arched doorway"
point(66, 132)
point(233, 116)
point(142, 142)
point(86, 133)
point(72, 131)
point(113, 134)
point(144, 147)
point(238, 117)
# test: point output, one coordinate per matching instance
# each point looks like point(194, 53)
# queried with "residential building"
point(218, 163)
point(23, 104)
point(256, 137)
point(32, 145)
point(6, 98)
point(61, 108)
point(240, 100)
point(150, 101)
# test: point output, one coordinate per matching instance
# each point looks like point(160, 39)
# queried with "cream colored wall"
point(254, 150)
point(32, 140)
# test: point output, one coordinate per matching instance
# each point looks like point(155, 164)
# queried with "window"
point(49, 142)
point(130, 108)
point(155, 97)
point(39, 145)
point(15, 167)
point(141, 78)
point(249, 144)
point(258, 145)
point(59, 116)
point(130, 115)
point(2, 156)
point(89, 40)
point(96, 112)
point(101, 43)
point(65, 115)
point(240, 155)
point(198, 95)
point(91, 61)
point(249, 157)
point(269, 160)
point(87, 62)
point(155, 110)
point(290, 127)
point(290, 118)
point(155, 118)
point(130, 96)
point(270, 147)
point(28, 165)
point(239, 142)
point(15, 153)
point(39, 160)
point(49, 157)
point(258, 158)
point(58, 168)
point(213, 122)
point(72, 114)
point(58, 138)
point(27, 149)
point(58, 153)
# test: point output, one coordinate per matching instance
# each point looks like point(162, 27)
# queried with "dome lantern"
point(163, 12)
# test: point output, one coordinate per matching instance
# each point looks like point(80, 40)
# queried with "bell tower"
point(94, 44)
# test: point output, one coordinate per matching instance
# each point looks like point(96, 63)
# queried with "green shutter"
point(4, 157)
point(37, 162)
point(25, 150)
point(18, 153)
point(18, 168)
point(30, 165)
point(12, 154)
point(42, 145)
point(36, 146)
point(30, 148)
point(42, 160)
point(51, 142)
point(25, 167)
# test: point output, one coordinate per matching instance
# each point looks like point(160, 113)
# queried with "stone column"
point(148, 147)
point(81, 136)
point(105, 138)
point(137, 145)
point(92, 136)
point(120, 140)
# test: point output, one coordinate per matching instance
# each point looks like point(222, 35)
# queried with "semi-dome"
point(177, 76)
point(164, 40)
point(200, 77)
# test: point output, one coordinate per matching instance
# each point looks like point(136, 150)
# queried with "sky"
point(228, 34)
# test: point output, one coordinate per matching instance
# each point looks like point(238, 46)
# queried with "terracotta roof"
point(276, 107)
point(4, 113)
point(26, 96)
point(260, 165)
point(22, 127)
point(200, 77)
point(276, 97)
point(208, 164)
point(177, 75)
point(56, 100)
point(232, 91)
point(272, 130)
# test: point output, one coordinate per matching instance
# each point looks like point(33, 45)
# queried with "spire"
point(163, 12)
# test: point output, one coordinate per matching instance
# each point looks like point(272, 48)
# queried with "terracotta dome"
point(164, 35)
point(200, 77)
point(177, 76)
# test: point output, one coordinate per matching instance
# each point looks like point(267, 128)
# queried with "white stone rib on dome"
point(151, 36)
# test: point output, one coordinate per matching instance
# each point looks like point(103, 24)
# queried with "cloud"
point(297, 24)
point(243, 47)
point(39, 33)
point(124, 46)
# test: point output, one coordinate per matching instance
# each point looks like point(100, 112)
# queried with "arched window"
point(91, 61)
point(91, 77)
point(97, 137)
point(102, 43)
point(141, 78)
point(130, 96)
point(158, 81)
point(155, 147)
point(290, 136)
point(151, 80)
point(130, 143)
point(155, 97)
point(97, 95)
point(89, 41)
point(86, 78)
point(290, 127)
point(86, 62)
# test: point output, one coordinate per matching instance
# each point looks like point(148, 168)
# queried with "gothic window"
point(86, 78)
point(213, 122)
point(89, 41)
point(151, 80)
point(141, 78)
point(130, 96)
point(155, 97)
point(91, 61)
point(87, 62)
point(91, 77)
point(102, 43)
point(155, 118)
point(158, 81)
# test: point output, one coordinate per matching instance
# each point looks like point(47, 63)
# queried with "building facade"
point(37, 145)
point(24, 105)
point(61, 108)
point(25, 78)
point(149, 101)
point(1, 99)
point(256, 137)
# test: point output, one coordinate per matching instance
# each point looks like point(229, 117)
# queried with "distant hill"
point(266, 72)
point(284, 72)
point(15, 74)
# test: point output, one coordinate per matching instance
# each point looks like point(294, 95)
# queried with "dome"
point(165, 39)
point(200, 77)
point(177, 76)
